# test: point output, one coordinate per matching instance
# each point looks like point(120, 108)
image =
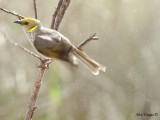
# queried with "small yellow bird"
point(53, 44)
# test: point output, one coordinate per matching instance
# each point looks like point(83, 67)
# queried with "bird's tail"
point(92, 65)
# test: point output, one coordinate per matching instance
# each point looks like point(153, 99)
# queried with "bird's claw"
point(45, 63)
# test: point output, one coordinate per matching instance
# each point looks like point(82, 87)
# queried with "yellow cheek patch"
point(32, 29)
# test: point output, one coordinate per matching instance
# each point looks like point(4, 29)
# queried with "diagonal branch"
point(55, 14)
point(21, 47)
point(92, 37)
point(59, 13)
point(35, 8)
point(12, 13)
point(32, 104)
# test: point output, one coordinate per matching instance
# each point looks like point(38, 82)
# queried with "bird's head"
point(30, 24)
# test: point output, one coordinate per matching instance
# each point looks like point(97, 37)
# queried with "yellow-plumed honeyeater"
point(53, 44)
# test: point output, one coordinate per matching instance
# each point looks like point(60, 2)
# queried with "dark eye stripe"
point(26, 23)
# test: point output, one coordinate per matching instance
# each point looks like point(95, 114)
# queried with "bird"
point(52, 44)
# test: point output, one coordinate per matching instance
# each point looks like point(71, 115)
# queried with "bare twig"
point(21, 47)
point(59, 13)
point(32, 104)
point(37, 84)
point(12, 13)
point(55, 14)
point(35, 8)
point(92, 37)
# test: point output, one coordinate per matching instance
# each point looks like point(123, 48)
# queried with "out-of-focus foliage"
point(129, 46)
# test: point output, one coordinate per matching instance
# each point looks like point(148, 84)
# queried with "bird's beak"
point(18, 22)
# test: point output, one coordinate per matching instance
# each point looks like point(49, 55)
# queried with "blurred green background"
point(129, 47)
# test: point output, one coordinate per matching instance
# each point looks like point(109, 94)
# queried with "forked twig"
point(59, 13)
point(55, 14)
point(92, 37)
point(37, 84)
point(12, 13)
point(35, 8)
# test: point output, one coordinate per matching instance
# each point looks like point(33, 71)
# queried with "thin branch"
point(59, 13)
point(21, 47)
point(32, 104)
point(55, 14)
point(12, 13)
point(35, 8)
point(92, 37)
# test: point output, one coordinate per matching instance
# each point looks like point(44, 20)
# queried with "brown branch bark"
point(59, 13)
point(35, 8)
point(32, 104)
point(92, 37)
point(55, 14)
point(12, 13)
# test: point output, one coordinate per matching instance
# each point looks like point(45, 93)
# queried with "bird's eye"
point(26, 23)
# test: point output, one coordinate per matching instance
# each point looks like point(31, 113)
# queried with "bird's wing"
point(54, 35)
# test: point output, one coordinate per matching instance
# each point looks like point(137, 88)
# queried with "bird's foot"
point(45, 63)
